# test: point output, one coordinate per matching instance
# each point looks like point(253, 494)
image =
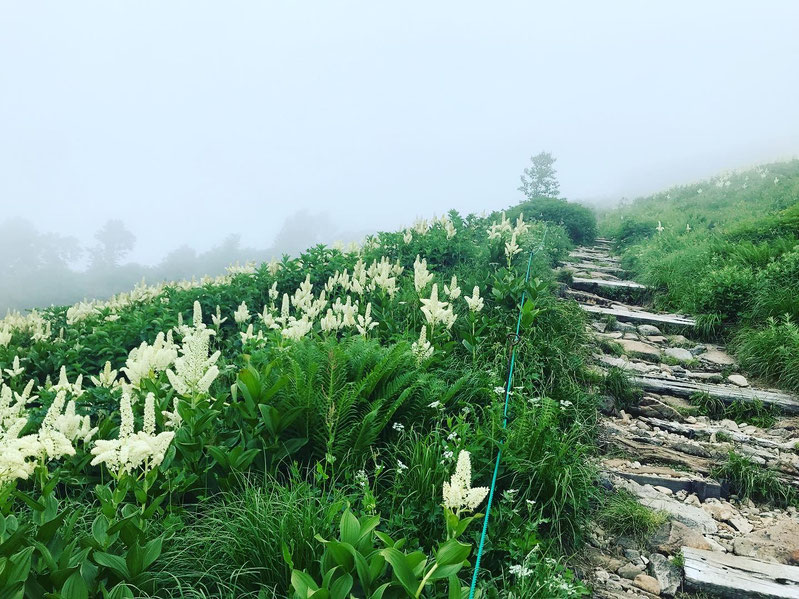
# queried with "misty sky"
point(190, 120)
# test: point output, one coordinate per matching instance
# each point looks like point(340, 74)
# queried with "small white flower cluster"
point(131, 450)
point(459, 495)
point(63, 383)
point(498, 230)
point(436, 311)
point(475, 302)
point(421, 276)
point(422, 348)
point(194, 370)
point(147, 360)
point(236, 269)
point(60, 428)
point(452, 290)
point(106, 378)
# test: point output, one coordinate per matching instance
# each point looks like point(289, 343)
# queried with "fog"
point(286, 124)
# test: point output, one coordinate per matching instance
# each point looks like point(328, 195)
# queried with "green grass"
point(748, 480)
point(618, 385)
point(735, 269)
point(750, 412)
point(622, 515)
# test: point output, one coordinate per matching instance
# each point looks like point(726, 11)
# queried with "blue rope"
point(504, 420)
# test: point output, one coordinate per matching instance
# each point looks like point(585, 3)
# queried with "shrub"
point(726, 291)
point(771, 353)
point(579, 221)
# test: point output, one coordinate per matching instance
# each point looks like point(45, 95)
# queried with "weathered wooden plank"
point(602, 257)
point(624, 313)
point(736, 577)
point(593, 266)
point(580, 282)
point(704, 489)
point(786, 402)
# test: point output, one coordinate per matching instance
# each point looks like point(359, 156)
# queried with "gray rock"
point(667, 574)
point(673, 536)
point(640, 349)
point(630, 571)
point(648, 329)
point(647, 583)
point(678, 353)
point(689, 515)
point(737, 379)
point(624, 327)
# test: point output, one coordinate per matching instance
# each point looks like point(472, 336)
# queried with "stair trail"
point(664, 451)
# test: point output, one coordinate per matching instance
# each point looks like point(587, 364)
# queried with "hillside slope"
point(213, 438)
point(727, 251)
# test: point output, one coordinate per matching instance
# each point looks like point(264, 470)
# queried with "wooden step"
point(736, 577)
point(786, 402)
point(630, 314)
point(589, 284)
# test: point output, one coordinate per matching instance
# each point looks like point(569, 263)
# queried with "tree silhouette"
point(539, 178)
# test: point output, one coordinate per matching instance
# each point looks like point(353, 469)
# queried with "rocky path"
point(662, 449)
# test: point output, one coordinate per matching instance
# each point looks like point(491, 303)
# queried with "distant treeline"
point(39, 269)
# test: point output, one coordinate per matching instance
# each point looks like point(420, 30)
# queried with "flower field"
point(324, 426)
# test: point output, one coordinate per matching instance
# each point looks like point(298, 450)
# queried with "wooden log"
point(594, 256)
point(583, 283)
point(704, 489)
point(786, 402)
point(588, 297)
point(736, 577)
point(628, 314)
point(592, 266)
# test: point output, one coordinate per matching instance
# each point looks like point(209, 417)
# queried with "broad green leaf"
point(75, 587)
point(402, 570)
point(452, 552)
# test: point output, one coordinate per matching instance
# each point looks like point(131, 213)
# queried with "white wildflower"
point(15, 369)
point(422, 348)
point(475, 302)
point(511, 247)
point(421, 276)
point(132, 450)
point(436, 311)
point(452, 290)
point(242, 314)
point(398, 426)
point(194, 370)
point(217, 318)
point(106, 378)
point(459, 495)
point(365, 322)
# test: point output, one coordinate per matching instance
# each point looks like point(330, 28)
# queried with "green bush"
point(772, 352)
point(579, 221)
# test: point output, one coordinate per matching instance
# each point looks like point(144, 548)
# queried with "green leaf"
point(75, 587)
point(32, 503)
point(120, 591)
point(452, 552)
point(341, 587)
point(455, 591)
point(115, 563)
point(350, 528)
point(402, 570)
point(19, 566)
point(152, 552)
point(378, 594)
point(303, 584)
